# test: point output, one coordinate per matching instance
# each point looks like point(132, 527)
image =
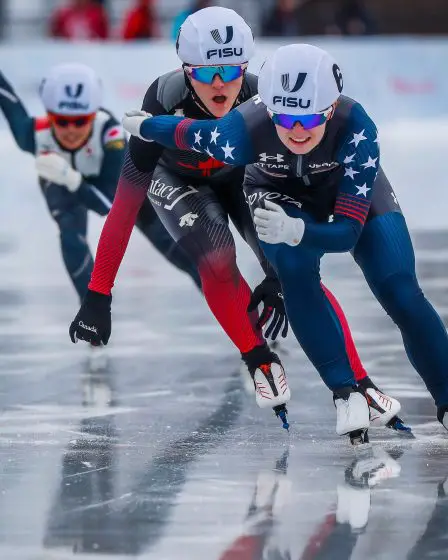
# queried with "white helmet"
point(214, 36)
point(299, 80)
point(71, 89)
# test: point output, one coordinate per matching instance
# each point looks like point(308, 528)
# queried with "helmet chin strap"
point(199, 102)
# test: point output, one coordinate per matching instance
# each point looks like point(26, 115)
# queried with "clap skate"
point(271, 386)
point(383, 409)
point(352, 416)
point(246, 377)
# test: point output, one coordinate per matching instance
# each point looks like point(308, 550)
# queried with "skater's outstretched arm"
point(225, 139)
point(21, 124)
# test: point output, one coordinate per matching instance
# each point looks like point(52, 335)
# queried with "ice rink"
point(163, 455)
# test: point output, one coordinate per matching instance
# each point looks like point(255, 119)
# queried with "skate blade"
point(281, 412)
point(397, 425)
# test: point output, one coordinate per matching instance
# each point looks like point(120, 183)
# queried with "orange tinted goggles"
point(64, 121)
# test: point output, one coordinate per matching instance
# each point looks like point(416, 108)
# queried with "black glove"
point(270, 293)
point(92, 323)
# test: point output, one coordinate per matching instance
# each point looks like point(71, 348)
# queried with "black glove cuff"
point(97, 300)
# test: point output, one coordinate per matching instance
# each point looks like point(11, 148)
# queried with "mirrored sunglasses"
point(206, 74)
point(306, 121)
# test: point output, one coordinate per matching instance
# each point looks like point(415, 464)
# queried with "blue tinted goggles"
point(306, 121)
point(206, 74)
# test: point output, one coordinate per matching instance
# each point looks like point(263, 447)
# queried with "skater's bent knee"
point(298, 265)
point(219, 265)
point(399, 294)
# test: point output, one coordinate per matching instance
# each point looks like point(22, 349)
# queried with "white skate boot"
point(246, 376)
point(352, 414)
point(271, 385)
point(383, 408)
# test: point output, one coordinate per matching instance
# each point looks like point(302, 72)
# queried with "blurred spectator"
point(81, 19)
point(352, 18)
point(182, 16)
point(283, 19)
point(140, 21)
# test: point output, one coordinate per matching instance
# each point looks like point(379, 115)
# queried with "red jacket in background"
point(139, 24)
point(89, 22)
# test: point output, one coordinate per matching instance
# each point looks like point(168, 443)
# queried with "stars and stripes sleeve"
point(226, 139)
point(359, 158)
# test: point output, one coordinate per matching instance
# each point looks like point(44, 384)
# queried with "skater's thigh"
point(231, 196)
point(190, 212)
point(147, 215)
point(384, 247)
